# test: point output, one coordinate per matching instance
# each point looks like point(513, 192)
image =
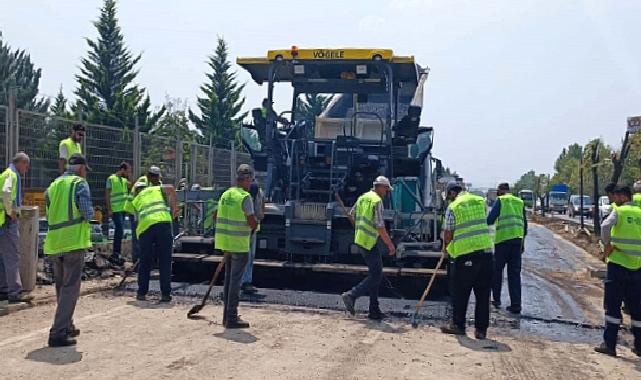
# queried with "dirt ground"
point(123, 338)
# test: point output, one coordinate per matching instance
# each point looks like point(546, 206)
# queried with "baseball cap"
point(244, 171)
point(453, 185)
point(381, 180)
point(78, 159)
point(154, 170)
point(78, 127)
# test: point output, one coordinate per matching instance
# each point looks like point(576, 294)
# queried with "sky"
point(511, 82)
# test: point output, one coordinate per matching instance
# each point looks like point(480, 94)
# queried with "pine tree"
point(106, 90)
point(311, 106)
point(220, 107)
point(17, 70)
point(59, 106)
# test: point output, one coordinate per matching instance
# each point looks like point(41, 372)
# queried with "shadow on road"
point(55, 356)
point(485, 345)
point(382, 326)
point(149, 304)
point(238, 336)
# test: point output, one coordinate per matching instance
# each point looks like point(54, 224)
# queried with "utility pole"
point(595, 186)
point(581, 192)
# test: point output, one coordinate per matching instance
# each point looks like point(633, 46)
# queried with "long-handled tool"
point(127, 273)
point(426, 292)
point(388, 283)
point(197, 308)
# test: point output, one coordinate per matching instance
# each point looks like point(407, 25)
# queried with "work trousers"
point(508, 253)
point(372, 283)
point(471, 272)
point(156, 241)
point(135, 244)
point(235, 264)
point(118, 219)
point(622, 284)
point(67, 274)
point(10, 281)
point(249, 270)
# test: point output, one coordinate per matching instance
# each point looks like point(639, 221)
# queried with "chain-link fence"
point(39, 135)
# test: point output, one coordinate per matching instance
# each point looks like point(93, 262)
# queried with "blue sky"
point(511, 83)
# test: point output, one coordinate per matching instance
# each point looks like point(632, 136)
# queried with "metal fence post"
point(136, 149)
point(84, 141)
point(193, 160)
point(12, 125)
point(210, 165)
point(232, 164)
point(179, 160)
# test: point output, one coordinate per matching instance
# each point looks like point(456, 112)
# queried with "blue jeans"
point(155, 241)
point(372, 283)
point(247, 277)
point(507, 253)
point(118, 219)
point(10, 281)
point(622, 284)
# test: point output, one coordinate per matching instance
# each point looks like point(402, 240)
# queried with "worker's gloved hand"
point(523, 247)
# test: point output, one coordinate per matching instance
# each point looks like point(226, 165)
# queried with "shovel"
point(426, 292)
point(197, 308)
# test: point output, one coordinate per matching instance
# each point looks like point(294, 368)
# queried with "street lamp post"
point(581, 192)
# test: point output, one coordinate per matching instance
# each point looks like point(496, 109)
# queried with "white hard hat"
point(381, 180)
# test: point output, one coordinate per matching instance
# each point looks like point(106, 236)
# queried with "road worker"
point(117, 193)
point(153, 177)
point(154, 207)
point(10, 180)
point(621, 236)
point(508, 212)
point(369, 226)
point(69, 210)
point(235, 222)
point(467, 242)
point(70, 146)
point(258, 199)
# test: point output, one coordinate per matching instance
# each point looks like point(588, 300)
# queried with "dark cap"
point(78, 127)
point(453, 186)
point(78, 159)
point(244, 171)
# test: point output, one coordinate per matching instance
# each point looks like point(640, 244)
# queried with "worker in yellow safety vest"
point(369, 227)
point(636, 197)
point(152, 177)
point(154, 207)
point(10, 182)
point(235, 221)
point(508, 212)
point(70, 146)
point(467, 242)
point(621, 236)
point(69, 211)
point(117, 193)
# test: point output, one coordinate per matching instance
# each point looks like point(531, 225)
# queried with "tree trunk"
point(617, 162)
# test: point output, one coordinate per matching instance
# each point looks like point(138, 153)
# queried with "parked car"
point(604, 207)
point(574, 206)
point(126, 228)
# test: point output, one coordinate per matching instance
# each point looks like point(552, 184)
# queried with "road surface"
point(125, 339)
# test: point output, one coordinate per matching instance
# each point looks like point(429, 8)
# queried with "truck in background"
point(528, 198)
point(558, 198)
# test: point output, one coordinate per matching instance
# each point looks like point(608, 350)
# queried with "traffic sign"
point(634, 124)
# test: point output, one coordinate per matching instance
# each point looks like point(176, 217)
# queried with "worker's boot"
point(348, 300)
point(73, 332)
point(22, 297)
point(236, 323)
point(514, 309)
point(604, 349)
point(480, 334)
point(496, 304)
point(141, 297)
point(377, 315)
point(165, 298)
point(61, 342)
point(4, 297)
point(248, 288)
point(452, 329)
point(636, 352)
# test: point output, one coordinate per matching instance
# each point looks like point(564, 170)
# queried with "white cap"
point(154, 170)
point(381, 180)
point(637, 186)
